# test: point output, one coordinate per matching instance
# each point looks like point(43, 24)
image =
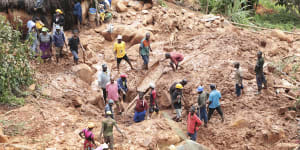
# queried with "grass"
point(279, 18)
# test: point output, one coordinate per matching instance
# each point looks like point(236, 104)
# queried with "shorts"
point(120, 59)
point(58, 51)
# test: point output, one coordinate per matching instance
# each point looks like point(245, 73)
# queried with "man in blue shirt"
point(59, 42)
point(77, 11)
point(214, 102)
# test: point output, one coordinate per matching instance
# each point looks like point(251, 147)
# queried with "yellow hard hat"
point(91, 125)
point(59, 11)
point(179, 86)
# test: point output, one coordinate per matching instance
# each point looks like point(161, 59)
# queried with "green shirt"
point(202, 99)
point(259, 65)
point(145, 47)
point(108, 125)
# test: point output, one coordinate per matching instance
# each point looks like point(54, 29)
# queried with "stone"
point(121, 7)
point(273, 135)
point(89, 110)
point(138, 5)
point(285, 146)
point(240, 123)
point(165, 100)
point(77, 101)
point(3, 138)
point(84, 72)
point(32, 87)
point(191, 145)
point(108, 36)
point(147, 6)
point(149, 19)
point(207, 24)
point(282, 110)
point(281, 35)
point(46, 92)
point(145, 11)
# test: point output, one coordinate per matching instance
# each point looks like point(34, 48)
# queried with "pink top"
point(112, 91)
point(88, 134)
point(176, 57)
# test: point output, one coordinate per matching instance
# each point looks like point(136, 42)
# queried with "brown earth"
point(66, 99)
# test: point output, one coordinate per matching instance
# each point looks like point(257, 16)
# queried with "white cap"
point(119, 37)
point(152, 85)
point(104, 146)
point(57, 27)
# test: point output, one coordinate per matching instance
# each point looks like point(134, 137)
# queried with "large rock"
point(273, 135)
point(121, 7)
point(148, 20)
point(96, 99)
point(165, 100)
point(84, 72)
point(281, 35)
point(77, 101)
point(282, 110)
point(108, 36)
point(138, 5)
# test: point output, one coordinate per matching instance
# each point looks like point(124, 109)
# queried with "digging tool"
point(83, 52)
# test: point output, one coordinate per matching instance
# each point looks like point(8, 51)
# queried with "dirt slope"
point(63, 103)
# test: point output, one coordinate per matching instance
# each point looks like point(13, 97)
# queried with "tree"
point(15, 70)
point(290, 5)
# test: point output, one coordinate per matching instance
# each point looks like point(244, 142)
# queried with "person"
point(177, 97)
point(103, 79)
point(107, 130)
point(141, 108)
point(260, 77)
point(30, 24)
point(109, 107)
point(88, 136)
point(101, 7)
point(34, 37)
point(238, 80)
point(77, 11)
point(45, 44)
point(40, 10)
point(173, 86)
point(193, 124)
point(39, 24)
point(175, 59)
point(202, 98)
point(58, 19)
point(73, 44)
point(119, 50)
point(144, 50)
point(59, 42)
point(122, 86)
point(112, 93)
point(153, 99)
point(214, 102)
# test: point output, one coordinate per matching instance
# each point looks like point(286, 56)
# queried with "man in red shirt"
point(140, 108)
point(193, 124)
point(175, 59)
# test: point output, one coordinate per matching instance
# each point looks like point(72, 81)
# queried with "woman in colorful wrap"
point(89, 142)
point(45, 43)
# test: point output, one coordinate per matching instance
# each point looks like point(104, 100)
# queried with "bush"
point(15, 71)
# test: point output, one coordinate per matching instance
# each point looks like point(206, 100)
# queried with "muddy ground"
point(66, 97)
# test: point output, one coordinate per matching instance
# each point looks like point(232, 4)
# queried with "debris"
point(84, 72)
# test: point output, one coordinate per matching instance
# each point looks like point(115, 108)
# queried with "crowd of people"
point(115, 90)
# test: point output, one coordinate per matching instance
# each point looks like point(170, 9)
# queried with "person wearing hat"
point(45, 44)
point(58, 19)
point(177, 97)
point(74, 41)
point(107, 130)
point(259, 70)
point(238, 79)
point(173, 86)
point(144, 50)
point(103, 79)
point(193, 124)
point(113, 94)
point(88, 136)
point(175, 59)
point(122, 86)
point(119, 50)
point(109, 107)
point(214, 102)
point(141, 108)
point(202, 98)
point(59, 42)
point(153, 99)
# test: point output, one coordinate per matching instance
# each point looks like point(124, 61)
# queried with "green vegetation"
point(270, 14)
point(15, 71)
point(162, 3)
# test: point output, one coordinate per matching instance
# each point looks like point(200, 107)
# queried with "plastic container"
point(92, 14)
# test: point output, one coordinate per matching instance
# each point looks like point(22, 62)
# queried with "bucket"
point(92, 14)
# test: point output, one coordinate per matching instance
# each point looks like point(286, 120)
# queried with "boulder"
point(121, 7)
point(84, 72)
point(138, 5)
point(77, 101)
point(240, 123)
point(147, 6)
point(165, 100)
point(148, 20)
point(286, 146)
point(281, 35)
point(273, 135)
point(108, 36)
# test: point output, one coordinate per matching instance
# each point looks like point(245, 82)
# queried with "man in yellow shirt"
point(119, 50)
